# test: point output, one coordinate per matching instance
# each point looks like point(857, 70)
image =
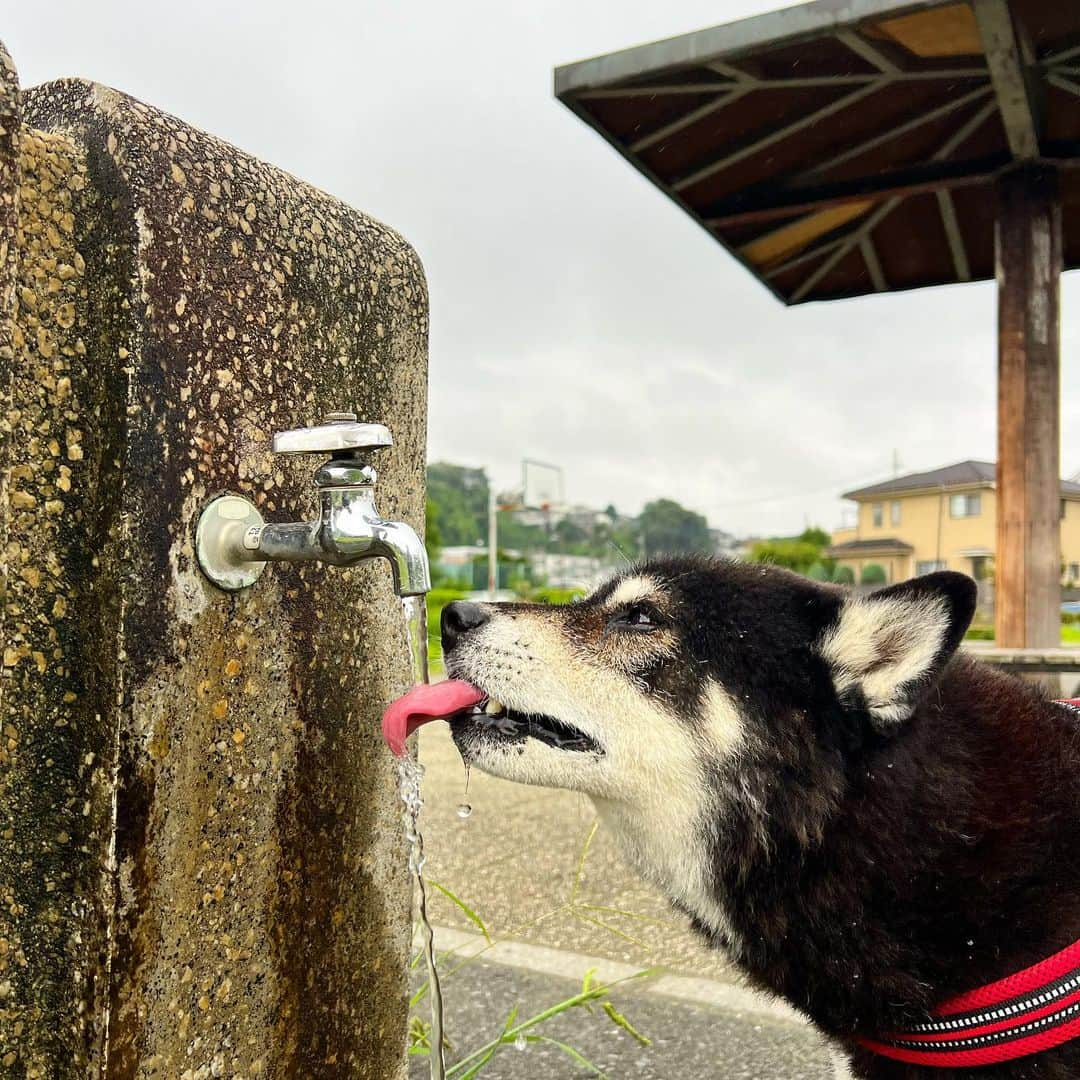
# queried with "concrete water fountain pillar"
point(202, 869)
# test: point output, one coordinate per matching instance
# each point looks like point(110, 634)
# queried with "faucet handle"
point(337, 432)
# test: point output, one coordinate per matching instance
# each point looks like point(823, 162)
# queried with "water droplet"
point(520, 1043)
point(464, 810)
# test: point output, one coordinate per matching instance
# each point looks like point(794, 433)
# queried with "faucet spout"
point(407, 555)
point(234, 543)
point(349, 531)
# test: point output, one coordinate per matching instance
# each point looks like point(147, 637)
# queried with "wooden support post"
point(1028, 254)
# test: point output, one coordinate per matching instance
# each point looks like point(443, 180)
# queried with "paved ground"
point(687, 1040)
point(515, 863)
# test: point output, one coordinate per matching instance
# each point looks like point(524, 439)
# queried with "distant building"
point(584, 517)
point(945, 519)
point(569, 571)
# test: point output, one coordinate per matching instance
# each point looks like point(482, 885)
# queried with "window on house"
point(877, 510)
point(894, 513)
point(965, 505)
point(928, 566)
point(1074, 571)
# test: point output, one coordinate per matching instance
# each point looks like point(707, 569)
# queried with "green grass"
point(437, 599)
point(1070, 633)
point(523, 1033)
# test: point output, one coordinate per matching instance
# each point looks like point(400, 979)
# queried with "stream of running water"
point(410, 775)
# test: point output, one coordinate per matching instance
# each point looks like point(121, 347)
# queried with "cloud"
point(577, 315)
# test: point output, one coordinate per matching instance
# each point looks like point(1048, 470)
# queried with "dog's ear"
point(885, 649)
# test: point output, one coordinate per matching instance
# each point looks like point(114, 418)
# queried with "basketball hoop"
point(541, 485)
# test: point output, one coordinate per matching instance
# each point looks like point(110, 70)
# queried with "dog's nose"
point(459, 618)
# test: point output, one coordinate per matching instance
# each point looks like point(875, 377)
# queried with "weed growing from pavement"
point(523, 1033)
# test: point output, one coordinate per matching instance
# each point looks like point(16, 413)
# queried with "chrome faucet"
point(233, 542)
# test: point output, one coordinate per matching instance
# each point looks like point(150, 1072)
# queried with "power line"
point(865, 479)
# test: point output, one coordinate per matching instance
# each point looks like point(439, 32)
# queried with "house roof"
point(849, 146)
point(962, 474)
point(881, 546)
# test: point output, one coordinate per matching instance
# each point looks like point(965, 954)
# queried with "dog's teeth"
point(494, 708)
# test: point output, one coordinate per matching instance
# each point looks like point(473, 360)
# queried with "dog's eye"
point(638, 617)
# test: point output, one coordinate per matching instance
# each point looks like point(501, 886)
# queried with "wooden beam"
point(1062, 56)
point(894, 132)
point(873, 264)
point(1004, 58)
point(756, 205)
point(795, 82)
point(953, 235)
point(1063, 83)
point(862, 48)
point(686, 120)
point(867, 227)
point(729, 71)
point(797, 235)
point(733, 157)
point(666, 90)
point(1028, 253)
point(811, 253)
point(844, 249)
point(964, 132)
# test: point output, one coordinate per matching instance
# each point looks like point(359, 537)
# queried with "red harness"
point(1034, 1010)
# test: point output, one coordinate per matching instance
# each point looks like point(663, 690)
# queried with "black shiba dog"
point(872, 824)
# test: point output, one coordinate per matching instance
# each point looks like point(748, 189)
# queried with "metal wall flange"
point(220, 535)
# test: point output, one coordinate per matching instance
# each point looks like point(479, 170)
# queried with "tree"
point(814, 534)
point(844, 575)
point(797, 555)
point(803, 553)
point(872, 574)
point(569, 532)
point(625, 540)
point(668, 528)
point(460, 495)
point(432, 535)
point(514, 533)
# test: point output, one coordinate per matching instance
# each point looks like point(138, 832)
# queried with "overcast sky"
point(578, 316)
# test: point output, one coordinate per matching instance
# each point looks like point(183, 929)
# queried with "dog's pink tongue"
point(423, 704)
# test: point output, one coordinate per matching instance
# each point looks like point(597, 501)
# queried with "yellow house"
point(945, 519)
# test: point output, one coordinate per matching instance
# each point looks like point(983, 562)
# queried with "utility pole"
point(493, 543)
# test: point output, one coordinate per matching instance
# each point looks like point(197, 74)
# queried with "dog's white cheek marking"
point(880, 645)
point(662, 822)
point(649, 785)
point(723, 722)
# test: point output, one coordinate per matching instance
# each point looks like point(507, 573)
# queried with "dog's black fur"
point(878, 867)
